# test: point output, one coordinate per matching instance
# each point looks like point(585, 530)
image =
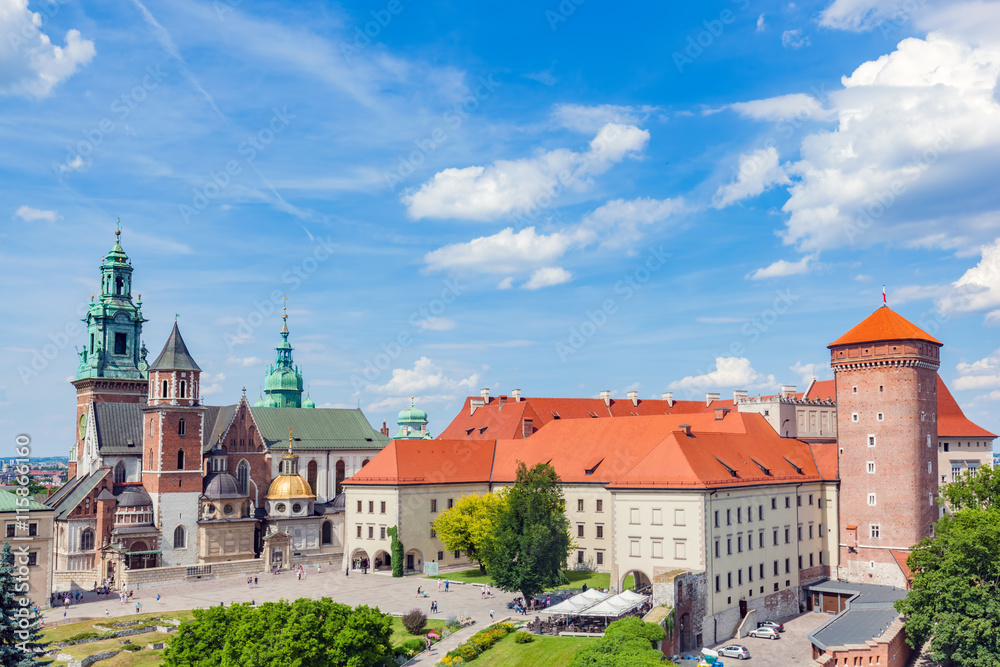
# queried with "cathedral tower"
point(886, 384)
point(113, 360)
point(173, 424)
point(283, 382)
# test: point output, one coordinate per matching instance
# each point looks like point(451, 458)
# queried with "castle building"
point(163, 487)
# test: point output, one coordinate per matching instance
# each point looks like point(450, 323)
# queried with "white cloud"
point(783, 268)
point(978, 288)
point(33, 65)
point(436, 324)
point(244, 362)
point(729, 372)
point(619, 221)
point(862, 277)
point(503, 252)
point(547, 277)
point(761, 24)
point(794, 39)
point(721, 320)
point(808, 372)
point(211, 389)
point(423, 377)
point(981, 374)
point(799, 106)
point(758, 171)
point(29, 214)
point(590, 119)
point(857, 15)
point(506, 283)
point(517, 186)
point(545, 77)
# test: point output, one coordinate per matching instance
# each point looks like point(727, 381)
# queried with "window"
point(871, 467)
point(634, 550)
point(434, 505)
point(180, 458)
point(760, 512)
point(451, 503)
point(579, 557)
point(799, 533)
point(810, 560)
point(32, 530)
point(776, 568)
point(381, 532)
point(120, 472)
point(729, 546)
point(579, 530)
point(181, 427)
point(874, 531)
point(739, 544)
point(729, 579)
point(820, 557)
point(327, 533)
point(750, 573)
point(382, 507)
point(182, 392)
point(956, 470)
point(750, 541)
point(434, 533)
point(798, 501)
point(633, 515)
point(371, 532)
point(600, 558)
point(579, 505)
point(440, 555)
point(810, 531)
point(179, 537)
point(371, 507)
point(657, 517)
point(800, 561)
point(854, 416)
point(600, 532)
point(880, 416)
point(121, 343)
point(761, 541)
point(739, 577)
point(871, 440)
point(776, 587)
point(718, 583)
point(729, 517)
point(359, 509)
point(657, 549)
point(716, 518)
point(33, 558)
point(788, 536)
point(716, 542)
point(871, 499)
point(359, 531)
point(788, 565)
point(788, 502)
point(10, 529)
point(86, 539)
point(820, 530)
point(680, 550)
point(854, 390)
point(163, 389)
point(810, 499)
point(600, 508)
point(762, 572)
point(739, 515)
point(775, 537)
point(774, 503)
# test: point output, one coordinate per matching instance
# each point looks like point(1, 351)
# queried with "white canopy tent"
point(615, 606)
point(579, 602)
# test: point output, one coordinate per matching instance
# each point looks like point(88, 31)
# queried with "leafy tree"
point(470, 524)
point(20, 634)
point(954, 601)
point(532, 538)
point(304, 633)
point(626, 643)
point(397, 552)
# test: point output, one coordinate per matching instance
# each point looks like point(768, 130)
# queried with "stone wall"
point(91, 659)
point(74, 580)
point(137, 579)
point(782, 604)
point(686, 592)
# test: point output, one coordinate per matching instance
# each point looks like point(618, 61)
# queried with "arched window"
point(180, 427)
point(364, 463)
point(163, 389)
point(120, 472)
point(179, 537)
point(119, 283)
point(340, 477)
point(327, 532)
point(180, 460)
point(243, 476)
point(151, 426)
point(86, 540)
point(311, 475)
point(183, 389)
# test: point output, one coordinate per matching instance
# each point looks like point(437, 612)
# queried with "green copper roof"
point(412, 424)
point(175, 355)
point(283, 380)
point(8, 503)
point(317, 428)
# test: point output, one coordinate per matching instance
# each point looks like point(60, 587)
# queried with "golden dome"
point(287, 487)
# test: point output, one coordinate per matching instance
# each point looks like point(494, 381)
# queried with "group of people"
point(361, 564)
point(486, 593)
point(520, 606)
point(251, 582)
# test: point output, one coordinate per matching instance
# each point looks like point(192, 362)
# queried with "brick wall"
point(242, 441)
point(889, 650)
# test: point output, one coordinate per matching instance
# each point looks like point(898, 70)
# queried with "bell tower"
point(173, 424)
point(113, 359)
point(283, 382)
point(886, 384)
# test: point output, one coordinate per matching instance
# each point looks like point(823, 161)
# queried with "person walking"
point(491, 614)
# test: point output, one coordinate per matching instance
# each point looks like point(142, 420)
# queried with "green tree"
point(20, 634)
point(396, 547)
point(470, 525)
point(532, 538)
point(626, 643)
point(954, 602)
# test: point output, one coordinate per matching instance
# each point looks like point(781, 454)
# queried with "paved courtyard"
point(792, 650)
point(394, 596)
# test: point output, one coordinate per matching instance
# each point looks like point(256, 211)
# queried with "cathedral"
point(166, 486)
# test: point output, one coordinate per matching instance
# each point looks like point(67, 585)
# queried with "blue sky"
point(556, 197)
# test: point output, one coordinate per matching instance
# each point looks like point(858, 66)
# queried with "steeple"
point(412, 424)
point(283, 381)
point(114, 324)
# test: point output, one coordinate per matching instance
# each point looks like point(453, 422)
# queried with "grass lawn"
point(577, 578)
point(400, 634)
point(550, 651)
point(60, 633)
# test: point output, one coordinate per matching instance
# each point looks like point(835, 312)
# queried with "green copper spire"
point(114, 323)
point(283, 382)
point(412, 424)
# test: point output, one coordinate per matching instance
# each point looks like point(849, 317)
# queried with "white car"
point(765, 633)
point(734, 651)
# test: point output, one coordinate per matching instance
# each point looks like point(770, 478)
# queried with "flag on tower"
point(884, 302)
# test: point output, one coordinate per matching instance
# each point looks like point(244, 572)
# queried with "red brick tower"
point(886, 379)
point(173, 422)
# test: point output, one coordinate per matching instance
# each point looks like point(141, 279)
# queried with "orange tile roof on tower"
point(884, 324)
point(951, 421)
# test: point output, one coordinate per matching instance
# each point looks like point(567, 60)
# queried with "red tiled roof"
point(884, 324)
point(822, 389)
point(405, 462)
point(951, 421)
point(825, 455)
point(900, 557)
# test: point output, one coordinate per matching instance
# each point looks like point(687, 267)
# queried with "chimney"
point(711, 396)
point(485, 393)
point(503, 399)
point(668, 396)
point(606, 395)
point(787, 390)
point(516, 395)
point(687, 429)
point(740, 395)
point(634, 397)
point(385, 428)
point(527, 428)
point(720, 414)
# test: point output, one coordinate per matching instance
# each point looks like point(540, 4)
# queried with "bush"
point(411, 647)
point(451, 621)
point(82, 636)
point(523, 638)
point(414, 621)
point(467, 652)
point(132, 648)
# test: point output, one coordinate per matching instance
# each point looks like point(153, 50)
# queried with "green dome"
point(412, 414)
point(308, 403)
point(412, 424)
point(283, 382)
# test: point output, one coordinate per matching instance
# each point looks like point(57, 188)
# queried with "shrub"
point(411, 647)
point(82, 636)
point(451, 661)
point(451, 621)
point(523, 638)
point(132, 648)
point(414, 621)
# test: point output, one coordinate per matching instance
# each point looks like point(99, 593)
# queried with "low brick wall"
point(65, 581)
point(138, 579)
point(889, 650)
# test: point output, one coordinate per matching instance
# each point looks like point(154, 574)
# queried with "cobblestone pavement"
point(394, 596)
point(792, 650)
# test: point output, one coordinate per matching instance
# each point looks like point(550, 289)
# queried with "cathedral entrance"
point(277, 557)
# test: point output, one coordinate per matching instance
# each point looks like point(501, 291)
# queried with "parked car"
point(734, 651)
point(765, 633)
point(771, 624)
